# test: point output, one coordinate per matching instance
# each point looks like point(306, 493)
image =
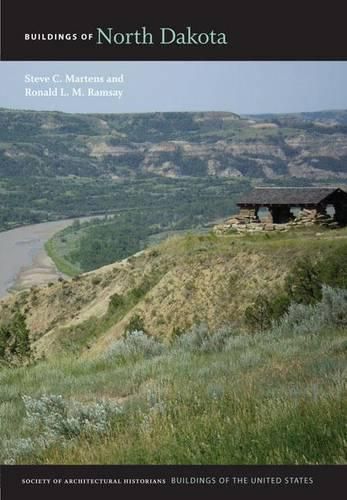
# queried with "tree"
point(136, 323)
point(14, 339)
point(258, 316)
point(304, 285)
point(21, 333)
point(333, 269)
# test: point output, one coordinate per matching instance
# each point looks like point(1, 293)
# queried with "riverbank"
point(60, 263)
point(23, 260)
point(41, 272)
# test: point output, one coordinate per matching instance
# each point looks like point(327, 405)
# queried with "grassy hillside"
point(203, 349)
point(208, 398)
point(169, 288)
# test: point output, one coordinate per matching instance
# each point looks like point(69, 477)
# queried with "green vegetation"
point(58, 165)
point(77, 338)
point(245, 280)
point(173, 205)
point(14, 340)
point(210, 397)
point(174, 357)
point(62, 264)
point(33, 200)
point(303, 285)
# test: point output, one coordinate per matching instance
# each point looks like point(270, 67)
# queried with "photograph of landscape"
point(173, 263)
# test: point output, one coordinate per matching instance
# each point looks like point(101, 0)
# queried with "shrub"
point(135, 345)
point(331, 311)
point(258, 316)
point(154, 253)
point(53, 416)
point(238, 342)
point(200, 339)
point(116, 301)
point(11, 449)
point(136, 324)
point(303, 285)
point(96, 280)
point(54, 420)
point(138, 292)
point(333, 307)
point(299, 319)
point(333, 269)
point(280, 305)
point(176, 332)
point(14, 340)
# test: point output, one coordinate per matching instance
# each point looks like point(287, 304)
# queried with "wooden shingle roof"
point(287, 196)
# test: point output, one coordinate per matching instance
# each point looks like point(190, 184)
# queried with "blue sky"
point(242, 87)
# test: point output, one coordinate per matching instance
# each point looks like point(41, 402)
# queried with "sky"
point(241, 87)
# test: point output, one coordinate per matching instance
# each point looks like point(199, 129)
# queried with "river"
point(23, 260)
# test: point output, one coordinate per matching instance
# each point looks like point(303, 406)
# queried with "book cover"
point(173, 249)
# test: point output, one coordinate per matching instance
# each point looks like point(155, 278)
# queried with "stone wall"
point(313, 216)
point(247, 220)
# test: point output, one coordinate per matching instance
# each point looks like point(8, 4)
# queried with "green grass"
point(76, 338)
point(63, 265)
point(264, 399)
point(293, 244)
point(277, 397)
